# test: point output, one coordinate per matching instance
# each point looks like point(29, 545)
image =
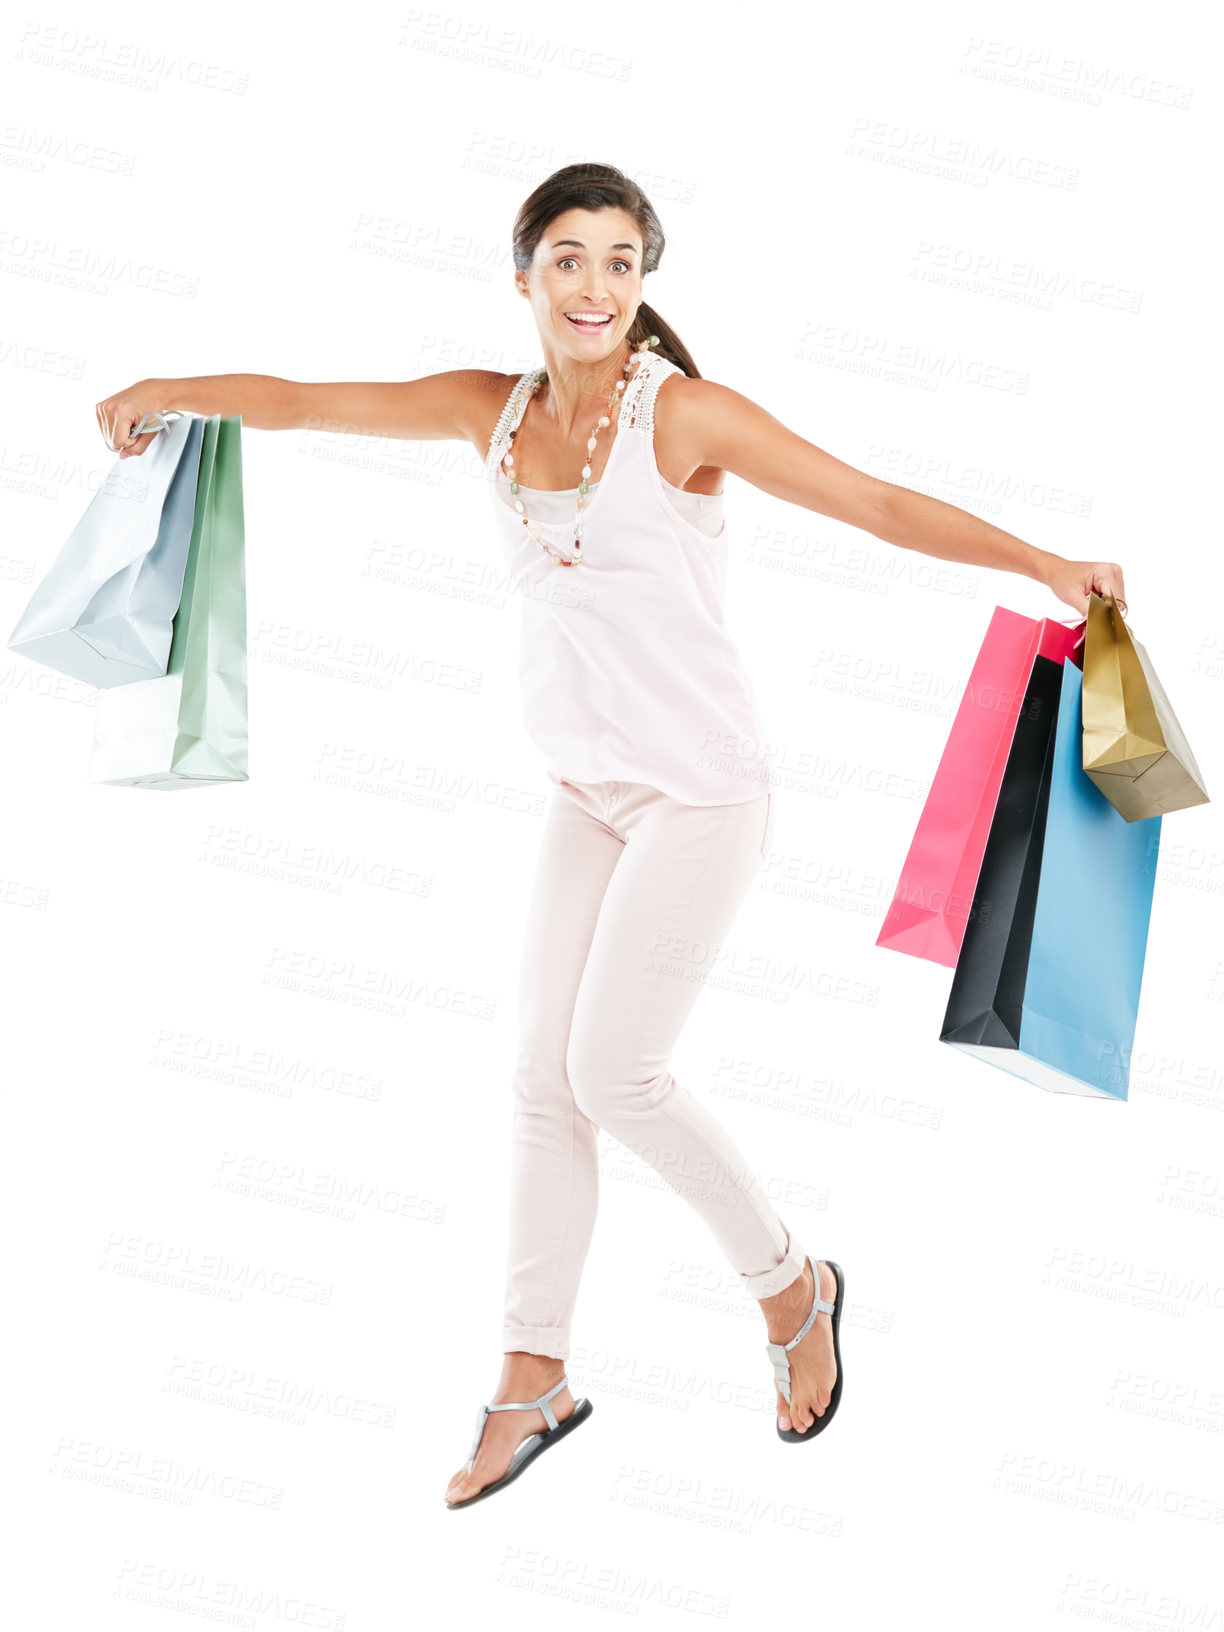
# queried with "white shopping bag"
point(188, 727)
point(105, 610)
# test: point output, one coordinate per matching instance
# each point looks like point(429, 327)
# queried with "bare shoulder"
point(480, 394)
point(686, 415)
point(705, 423)
point(688, 402)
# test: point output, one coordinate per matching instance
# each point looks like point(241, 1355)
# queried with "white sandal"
point(533, 1445)
point(781, 1364)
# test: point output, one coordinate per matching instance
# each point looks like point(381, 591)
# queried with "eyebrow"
point(578, 244)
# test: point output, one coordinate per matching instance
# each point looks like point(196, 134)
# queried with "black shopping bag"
point(986, 1001)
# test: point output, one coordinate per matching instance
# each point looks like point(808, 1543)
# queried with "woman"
point(607, 491)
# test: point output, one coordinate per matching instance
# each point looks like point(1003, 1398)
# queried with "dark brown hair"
point(602, 187)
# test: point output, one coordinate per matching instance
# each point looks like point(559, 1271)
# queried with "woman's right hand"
point(118, 415)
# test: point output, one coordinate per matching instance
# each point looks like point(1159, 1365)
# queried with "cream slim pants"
point(629, 885)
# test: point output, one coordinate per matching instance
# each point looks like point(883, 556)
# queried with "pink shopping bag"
point(934, 895)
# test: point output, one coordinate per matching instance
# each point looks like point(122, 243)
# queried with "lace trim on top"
point(637, 405)
point(510, 411)
point(637, 410)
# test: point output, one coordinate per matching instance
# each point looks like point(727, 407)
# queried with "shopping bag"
point(189, 727)
point(1048, 978)
point(1134, 749)
point(933, 898)
point(104, 610)
point(987, 993)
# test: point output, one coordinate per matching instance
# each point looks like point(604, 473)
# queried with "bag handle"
point(1117, 608)
point(1116, 603)
point(1083, 630)
point(171, 413)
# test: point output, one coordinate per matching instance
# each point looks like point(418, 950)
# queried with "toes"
point(784, 1423)
point(801, 1416)
point(461, 1486)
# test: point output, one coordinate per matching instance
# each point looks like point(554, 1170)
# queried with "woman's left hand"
point(1072, 581)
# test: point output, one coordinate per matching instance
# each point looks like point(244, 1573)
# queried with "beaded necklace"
point(604, 419)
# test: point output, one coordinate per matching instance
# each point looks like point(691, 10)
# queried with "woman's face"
point(587, 263)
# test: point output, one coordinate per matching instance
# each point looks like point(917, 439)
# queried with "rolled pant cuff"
point(772, 1281)
point(553, 1342)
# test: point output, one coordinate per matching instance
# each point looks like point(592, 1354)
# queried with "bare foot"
point(524, 1377)
point(813, 1367)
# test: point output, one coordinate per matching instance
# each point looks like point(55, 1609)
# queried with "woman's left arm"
point(718, 426)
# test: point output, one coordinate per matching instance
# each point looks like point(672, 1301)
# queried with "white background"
point(230, 1399)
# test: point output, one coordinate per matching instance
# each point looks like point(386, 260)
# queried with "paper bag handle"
point(1108, 595)
point(171, 413)
point(1117, 605)
point(1077, 661)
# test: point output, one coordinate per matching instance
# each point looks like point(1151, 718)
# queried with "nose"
point(593, 286)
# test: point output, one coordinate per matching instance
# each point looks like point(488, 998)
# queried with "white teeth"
point(586, 317)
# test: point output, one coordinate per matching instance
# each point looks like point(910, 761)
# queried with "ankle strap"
point(819, 1305)
point(550, 1416)
point(534, 1405)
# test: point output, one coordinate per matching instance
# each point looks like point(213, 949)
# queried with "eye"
point(570, 260)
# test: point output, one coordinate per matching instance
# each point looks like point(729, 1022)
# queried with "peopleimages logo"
point(956, 158)
point(1075, 79)
point(1121, 1280)
point(1027, 282)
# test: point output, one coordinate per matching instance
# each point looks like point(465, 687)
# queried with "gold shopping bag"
point(1134, 750)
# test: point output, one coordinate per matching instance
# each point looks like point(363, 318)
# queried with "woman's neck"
point(575, 390)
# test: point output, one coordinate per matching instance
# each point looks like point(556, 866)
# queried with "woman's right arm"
point(460, 404)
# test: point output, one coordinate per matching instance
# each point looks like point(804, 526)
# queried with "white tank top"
point(704, 510)
point(628, 670)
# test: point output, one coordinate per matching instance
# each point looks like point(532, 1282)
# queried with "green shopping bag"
point(189, 727)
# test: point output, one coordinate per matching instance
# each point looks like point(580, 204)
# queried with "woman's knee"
point(540, 1081)
point(605, 1085)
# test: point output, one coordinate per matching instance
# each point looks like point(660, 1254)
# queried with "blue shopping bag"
point(1094, 905)
point(1071, 973)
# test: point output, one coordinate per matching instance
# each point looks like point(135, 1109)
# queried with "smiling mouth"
point(588, 324)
